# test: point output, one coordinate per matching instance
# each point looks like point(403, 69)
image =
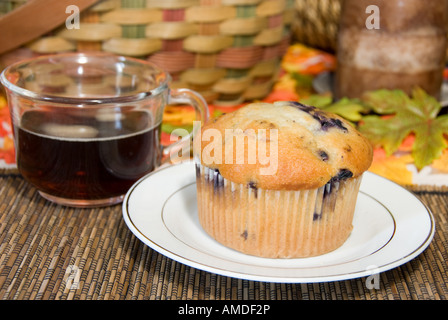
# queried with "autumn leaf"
point(392, 167)
point(386, 101)
point(441, 163)
point(416, 115)
point(350, 109)
point(317, 100)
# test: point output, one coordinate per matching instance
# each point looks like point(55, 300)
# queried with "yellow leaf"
point(442, 162)
point(179, 115)
point(8, 143)
point(286, 82)
point(2, 102)
point(392, 167)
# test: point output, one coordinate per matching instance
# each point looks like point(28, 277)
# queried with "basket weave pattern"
point(316, 23)
point(228, 50)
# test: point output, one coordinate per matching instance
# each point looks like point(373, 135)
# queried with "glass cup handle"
point(180, 149)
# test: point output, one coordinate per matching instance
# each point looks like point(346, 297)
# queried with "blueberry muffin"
point(279, 180)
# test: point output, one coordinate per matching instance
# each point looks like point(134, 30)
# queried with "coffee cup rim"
point(81, 101)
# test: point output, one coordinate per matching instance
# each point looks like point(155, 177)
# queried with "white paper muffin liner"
point(275, 223)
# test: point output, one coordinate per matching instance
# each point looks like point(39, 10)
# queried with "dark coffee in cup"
point(87, 126)
point(81, 157)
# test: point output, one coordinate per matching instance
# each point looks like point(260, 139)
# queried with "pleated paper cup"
point(275, 223)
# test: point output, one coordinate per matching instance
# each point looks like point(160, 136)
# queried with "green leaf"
point(388, 134)
point(168, 128)
point(386, 101)
point(350, 109)
point(303, 80)
point(425, 103)
point(317, 100)
point(406, 115)
point(429, 143)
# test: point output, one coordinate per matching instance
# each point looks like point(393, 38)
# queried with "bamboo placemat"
point(52, 252)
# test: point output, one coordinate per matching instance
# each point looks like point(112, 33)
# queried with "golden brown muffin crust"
point(313, 146)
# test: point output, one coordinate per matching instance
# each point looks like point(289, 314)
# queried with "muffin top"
point(282, 146)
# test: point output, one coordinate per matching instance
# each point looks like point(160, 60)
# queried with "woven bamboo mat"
point(52, 252)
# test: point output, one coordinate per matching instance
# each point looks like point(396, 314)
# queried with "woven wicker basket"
point(228, 50)
point(316, 23)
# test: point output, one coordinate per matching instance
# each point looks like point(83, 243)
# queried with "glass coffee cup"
point(87, 126)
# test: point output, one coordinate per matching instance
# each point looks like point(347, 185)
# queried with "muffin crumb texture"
point(313, 147)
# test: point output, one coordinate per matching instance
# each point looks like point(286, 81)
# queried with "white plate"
point(391, 226)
